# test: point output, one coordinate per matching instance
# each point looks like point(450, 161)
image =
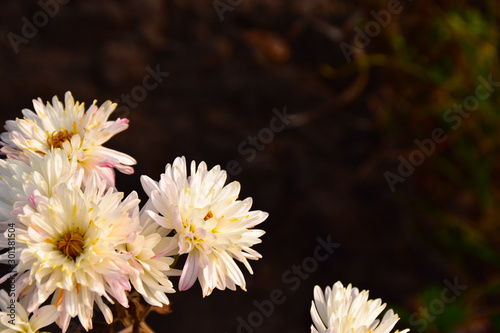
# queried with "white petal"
point(190, 272)
point(45, 316)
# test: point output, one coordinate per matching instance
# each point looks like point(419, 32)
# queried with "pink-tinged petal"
point(126, 170)
point(137, 266)
point(38, 105)
point(106, 153)
point(32, 198)
point(63, 321)
point(189, 272)
point(93, 109)
point(106, 174)
point(118, 286)
point(105, 164)
point(148, 185)
point(121, 121)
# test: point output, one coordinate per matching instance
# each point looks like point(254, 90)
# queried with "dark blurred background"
point(363, 79)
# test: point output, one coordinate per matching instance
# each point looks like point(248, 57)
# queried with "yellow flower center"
point(71, 244)
point(56, 139)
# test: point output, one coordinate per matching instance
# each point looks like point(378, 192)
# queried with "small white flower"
point(71, 250)
point(70, 128)
point(14, 318)
point(211, 226)
point(346, 310)
point(150, 256)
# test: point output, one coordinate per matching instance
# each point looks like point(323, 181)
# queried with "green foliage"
point(436, 58)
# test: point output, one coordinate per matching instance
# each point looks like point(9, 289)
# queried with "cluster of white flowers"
point(73, 240)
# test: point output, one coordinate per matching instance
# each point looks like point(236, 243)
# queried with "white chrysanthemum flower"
point(346, 310)
point(69, 127)
point(23, 185)
point(71, 250)
point(14, 318)
point(211, 226)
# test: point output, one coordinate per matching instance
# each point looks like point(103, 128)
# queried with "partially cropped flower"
point(346, 310)
point(70, 128)
point(23, 185)
point(14, 318)
point(211, 226)
point(71, 250)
